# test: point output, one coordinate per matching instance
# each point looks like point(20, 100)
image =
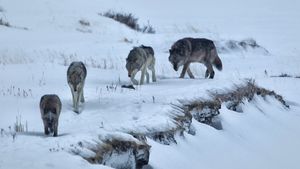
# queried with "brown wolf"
point(188, 50)
point(50, 107)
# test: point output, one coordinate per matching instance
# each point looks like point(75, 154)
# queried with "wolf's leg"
point(134, 81)
point(147, 76)
point(78, 94)
point(81, 96)
point(55, 127)
point(75, 100)
point(190, 73)
point(212, 74)
point(46, 131)
point(185, 67)
point(73, 96)
point(152, 68)
point(209, 71)
point(153, 74)
point(143, 75)
point(51, 128)
point(206, 73)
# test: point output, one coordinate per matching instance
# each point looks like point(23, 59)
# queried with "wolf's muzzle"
point(175, 67)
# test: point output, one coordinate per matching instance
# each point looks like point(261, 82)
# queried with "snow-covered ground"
point(34, 62)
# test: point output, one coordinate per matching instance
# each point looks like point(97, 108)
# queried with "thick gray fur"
point(76, 75)
point(50, 107)
point(188, 50)
point(139, 59)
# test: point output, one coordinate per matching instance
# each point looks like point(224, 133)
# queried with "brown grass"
point(139, 150)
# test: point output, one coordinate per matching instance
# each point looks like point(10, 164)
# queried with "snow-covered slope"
point(34, 60)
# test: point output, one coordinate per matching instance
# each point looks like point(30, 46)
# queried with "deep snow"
point(33, 62)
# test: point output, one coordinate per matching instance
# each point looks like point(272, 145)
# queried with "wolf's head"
point(76, 75)
point(50, 116)
point(179, 53)
point(133, 62)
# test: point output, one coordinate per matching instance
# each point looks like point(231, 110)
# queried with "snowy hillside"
point(42, 37)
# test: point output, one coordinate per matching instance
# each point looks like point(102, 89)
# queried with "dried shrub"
point(4, 23)
point(235, 97)
point(130, 20)
point(285, 75)
point(84, 22)
point(207, 111)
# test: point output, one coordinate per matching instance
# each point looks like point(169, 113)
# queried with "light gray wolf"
point(76, 75)
point(188, 50)
point(139, 59)
point(50, 107)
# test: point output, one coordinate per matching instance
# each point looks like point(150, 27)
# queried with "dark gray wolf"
point(139, 59)
point(188, 50)
point(76, 75)
point(50, 107)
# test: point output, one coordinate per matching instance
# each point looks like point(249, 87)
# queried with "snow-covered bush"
point(4, 23)
point(84, 22)
point(206, 111)
point(235, 97)
point(243, 45)
point(118, 153)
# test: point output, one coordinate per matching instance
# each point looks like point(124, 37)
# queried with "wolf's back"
point(207, 45)
point(137, 54)
point(50, 102)
point(148, 49)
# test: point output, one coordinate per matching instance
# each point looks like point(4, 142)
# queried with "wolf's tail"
point(218, 63)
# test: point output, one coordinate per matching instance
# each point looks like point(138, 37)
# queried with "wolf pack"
point(182, 53)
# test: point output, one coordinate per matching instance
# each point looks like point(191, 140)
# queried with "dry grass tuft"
point(206, 111)
point(130, 20)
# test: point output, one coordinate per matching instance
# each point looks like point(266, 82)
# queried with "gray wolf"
point(76, 75)
point(188, 50)
point(139, 59)
point(50, 107)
